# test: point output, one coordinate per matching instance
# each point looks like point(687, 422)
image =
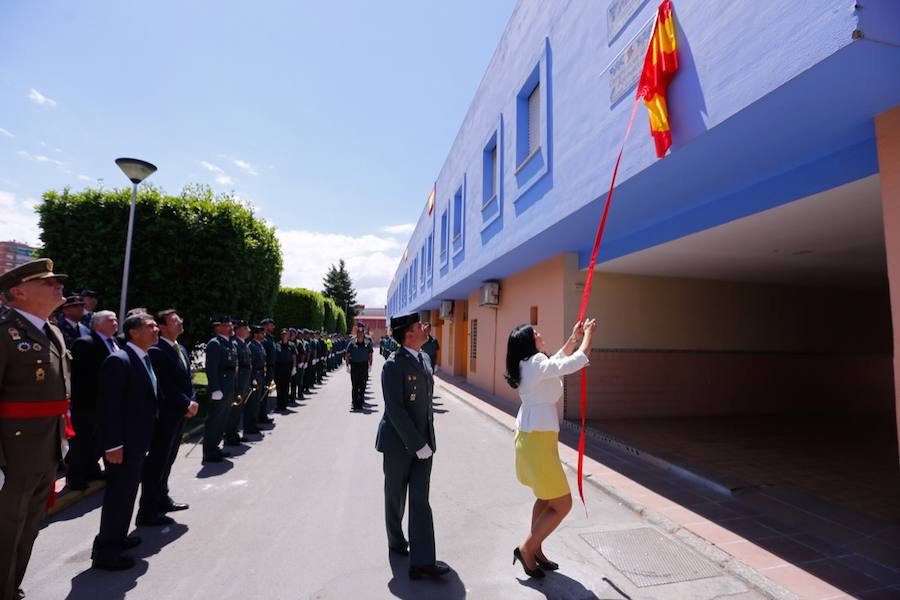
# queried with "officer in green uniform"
point(406, 440)
point(34, 397)
point(359, 365)
point(294, 341)
point(257, 379)
point(269, 344)
point(221, 371)
point(312, 349)
point(302, 352)
point(233, 436)
point(285, 363)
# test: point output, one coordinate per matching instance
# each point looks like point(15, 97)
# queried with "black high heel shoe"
point(546, 565)
point(517, 556)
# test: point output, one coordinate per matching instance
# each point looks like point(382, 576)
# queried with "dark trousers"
point(403, 473)
point(23, 505)
point(264, 393)
point(359, 375)
point(282, 384)
point(84, 454)
point(214, 430)
point(233, 422)
point(122, 483)
point(251, 406)
point(158, 464)
point(309, 377)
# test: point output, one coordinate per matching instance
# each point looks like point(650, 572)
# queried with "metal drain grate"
point(646, 557)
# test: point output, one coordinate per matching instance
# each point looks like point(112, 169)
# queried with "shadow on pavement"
point(365, 410)
point(557, 585)
point(214, 469)
point(450, 587)
point(77, 510)
point(92, 583)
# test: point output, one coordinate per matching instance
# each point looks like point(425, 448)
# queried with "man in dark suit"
point(34, 387)
point(406, 439)
point(177, 400)
point(88, 354)
point(127, 414)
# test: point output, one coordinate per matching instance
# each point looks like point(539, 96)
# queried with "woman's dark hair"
point(520, 347)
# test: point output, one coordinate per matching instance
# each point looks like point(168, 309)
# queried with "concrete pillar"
point(887, 135)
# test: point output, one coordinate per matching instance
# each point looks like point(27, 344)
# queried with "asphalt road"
point(299, 515)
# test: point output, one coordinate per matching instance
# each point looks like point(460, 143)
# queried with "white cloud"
point(19, 221)
point(40, 99)
point(42, 158)
point(6, 133)
point(405, 228)
point(86, 178)
point(211, 167)
point(245, 167)
point(370, 261)
point(224, 180)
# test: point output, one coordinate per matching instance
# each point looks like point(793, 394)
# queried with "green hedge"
point(298, 307)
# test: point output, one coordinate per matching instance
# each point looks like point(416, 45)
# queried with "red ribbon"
point(587, 294)
point(33, 410)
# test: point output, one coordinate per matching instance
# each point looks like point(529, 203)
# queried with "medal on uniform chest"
point(39, 374)
point(23, 346)
point(36, 347)
point(412, 397)
point(14, 334)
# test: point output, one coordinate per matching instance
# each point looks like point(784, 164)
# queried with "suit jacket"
point(71, 332)
point(408, 420)
point(88, 354)
point(128, 405)
point(176, 381)
point(32, 369)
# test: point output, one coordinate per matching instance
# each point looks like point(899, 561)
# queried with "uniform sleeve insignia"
point(14, 334)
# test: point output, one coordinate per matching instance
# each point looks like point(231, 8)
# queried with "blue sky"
point(331, 118)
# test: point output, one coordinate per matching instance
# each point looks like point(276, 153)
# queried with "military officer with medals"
point(233, 436)
point(406, 440)
point(221, 372)
point(269, 345)
point(34, 393)
point(257, 379)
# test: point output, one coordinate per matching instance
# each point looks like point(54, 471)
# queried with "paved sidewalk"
point(299, 515)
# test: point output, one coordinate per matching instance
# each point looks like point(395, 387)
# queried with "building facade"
point(13, 254)
point(755, 270)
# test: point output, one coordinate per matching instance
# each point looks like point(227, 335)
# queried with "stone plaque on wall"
point(618, 13)
point(625, 70)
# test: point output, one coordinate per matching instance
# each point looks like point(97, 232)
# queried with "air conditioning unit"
point(446, 309)
point(489, 294)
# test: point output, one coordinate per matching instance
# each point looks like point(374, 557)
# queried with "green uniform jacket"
point(221, 355)
point(408, 420)
point(31, 370)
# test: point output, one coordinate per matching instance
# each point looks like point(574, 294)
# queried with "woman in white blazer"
point(539, 381)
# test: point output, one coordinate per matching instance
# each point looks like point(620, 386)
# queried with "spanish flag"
point(431, 200)
point(660, 65)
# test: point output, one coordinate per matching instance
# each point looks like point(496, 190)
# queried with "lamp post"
point(136, 171)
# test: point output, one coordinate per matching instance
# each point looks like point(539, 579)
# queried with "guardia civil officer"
point(221, 369)
point(34, 391)
point(406, 440)
point(285, 363)
point(257, 379)
point(269, 345)
point(302, 351)
point(70, 324)
point(233, 435)
point(294, 341)
point(359, 365)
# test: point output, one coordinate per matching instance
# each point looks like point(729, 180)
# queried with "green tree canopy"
point(298, 307)
point(202, 254)
point(338, 286)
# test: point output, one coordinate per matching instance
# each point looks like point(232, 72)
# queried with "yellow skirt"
point(538, 465)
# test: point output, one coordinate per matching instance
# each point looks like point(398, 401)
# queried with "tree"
point(298, 307)
point(339, 287)
point(201, 254)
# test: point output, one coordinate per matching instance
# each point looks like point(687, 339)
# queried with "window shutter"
point(534, 119)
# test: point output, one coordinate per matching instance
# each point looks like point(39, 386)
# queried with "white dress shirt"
point(541, 387)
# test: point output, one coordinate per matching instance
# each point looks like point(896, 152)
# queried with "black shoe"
point(20, 594)
point(153, 520)
point(131, 541)
point(536, 573)
point(120, 563)
point(401, 550)
point(252, 432)
point(438, 569)
point(213, 459)
point(546, 565)
point(267, 421)
point(224, 454)
point(235, 441)
point(173, 506)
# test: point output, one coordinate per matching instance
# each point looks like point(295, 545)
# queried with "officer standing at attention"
point(359, 365)
point(269, 344)
point(285, 363)
point(294, 341)
point(301, 363)
point(70, 324)
point(431, 346)
point(406, 440)
point(233, 436)
point(221, 369)
point(34, 393)
point(257, 379)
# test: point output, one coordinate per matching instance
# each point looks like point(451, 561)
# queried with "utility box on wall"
point(446, 309)
point(489, 294)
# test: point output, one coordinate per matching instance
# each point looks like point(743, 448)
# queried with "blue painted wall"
point(773, 101)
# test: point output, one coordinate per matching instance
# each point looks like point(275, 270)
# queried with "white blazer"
point(541, 387)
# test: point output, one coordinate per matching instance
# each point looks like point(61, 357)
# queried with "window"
point(457, 215)
point(534, 119)
point(458, 219)
point(429, 254)
point(534, 315)
point(444, 240)
point(473, 349)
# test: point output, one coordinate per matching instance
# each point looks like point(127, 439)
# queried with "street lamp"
point(136, 171)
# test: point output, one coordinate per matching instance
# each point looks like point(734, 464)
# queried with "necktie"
point(49, 333)
point(181, 355)
point(150, 372)
point(421, 361)
point(112, 345)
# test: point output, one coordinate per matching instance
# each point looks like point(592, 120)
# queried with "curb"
point(708, 550)
point(70, 497)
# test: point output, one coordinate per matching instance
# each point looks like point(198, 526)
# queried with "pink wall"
point(887, 133)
